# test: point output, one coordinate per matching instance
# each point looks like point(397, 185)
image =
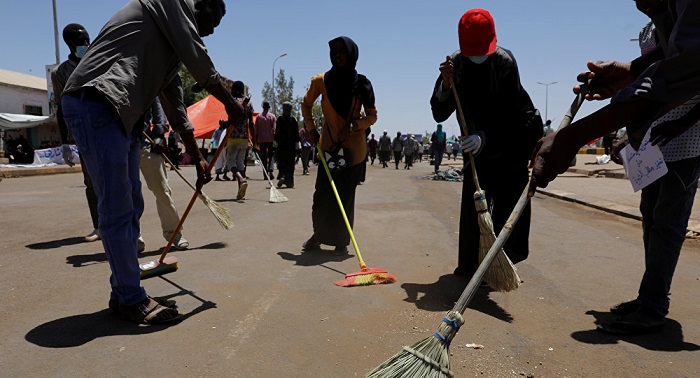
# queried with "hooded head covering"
point(343, 83)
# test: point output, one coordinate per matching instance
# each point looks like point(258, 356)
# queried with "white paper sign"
point(645, 165)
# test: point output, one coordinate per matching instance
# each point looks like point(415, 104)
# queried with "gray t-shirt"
point(137, 56)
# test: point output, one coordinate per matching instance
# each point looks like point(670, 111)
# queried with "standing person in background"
point(439, 143)
point(455, 149)
point(372, 145)
point(408, 151)
point(78, 40)
point(237, 146)
point(307, 146)
point(420, 151)
point(385, 149)
point(349, 108)
point(504, 127)
point(156, 176)
point(220, 163)
point(265, 131)
point(397, 147)
point(287, 137)
point(135, 58)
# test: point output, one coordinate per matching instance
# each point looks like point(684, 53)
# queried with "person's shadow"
point(54, 244)
point(77, 330)
point(98, 258)
point(442, 295)
point(670, 339)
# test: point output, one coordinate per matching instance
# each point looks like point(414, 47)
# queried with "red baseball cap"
point(477, 33)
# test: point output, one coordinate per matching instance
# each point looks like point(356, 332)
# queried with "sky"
point(401, 44)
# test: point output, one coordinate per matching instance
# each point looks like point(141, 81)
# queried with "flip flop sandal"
point(114, 304)
point(143, 314)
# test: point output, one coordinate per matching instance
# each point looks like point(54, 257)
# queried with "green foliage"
point(187, 83)
point(284, 91)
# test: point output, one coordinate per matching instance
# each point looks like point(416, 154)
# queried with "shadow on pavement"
point(79, 330)
point(98, 258)
point(313, 258)
point(53, 244)
point(670, 339)
point(442, 295)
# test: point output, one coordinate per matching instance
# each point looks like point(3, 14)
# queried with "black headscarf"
point(342, 84)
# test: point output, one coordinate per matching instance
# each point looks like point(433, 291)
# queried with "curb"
point(25, 172)
point(692, 230)
point(591, 151)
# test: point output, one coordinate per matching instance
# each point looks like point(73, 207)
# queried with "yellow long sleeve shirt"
point(364, 118)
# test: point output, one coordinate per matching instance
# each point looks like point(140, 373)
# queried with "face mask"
point(80, 51)
point(478, 59)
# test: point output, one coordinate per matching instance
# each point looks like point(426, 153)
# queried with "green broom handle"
point(478, 276)
point(340, 204)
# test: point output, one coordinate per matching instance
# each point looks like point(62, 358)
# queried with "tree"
point(188, 81)
point(284, 91)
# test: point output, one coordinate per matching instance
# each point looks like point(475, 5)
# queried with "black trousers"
point(503, 189)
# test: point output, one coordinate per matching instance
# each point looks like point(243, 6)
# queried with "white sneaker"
point(181, 243)
point(141, 244)
point(93, 236)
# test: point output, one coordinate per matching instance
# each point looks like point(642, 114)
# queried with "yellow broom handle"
point(340, 205)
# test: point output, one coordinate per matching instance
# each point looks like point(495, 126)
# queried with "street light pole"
point(274, 95)
point(546, 98)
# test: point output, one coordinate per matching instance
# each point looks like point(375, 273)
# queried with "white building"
point(27, 94)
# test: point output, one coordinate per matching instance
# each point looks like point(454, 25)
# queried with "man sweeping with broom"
point(504, 127)
point(135, 58)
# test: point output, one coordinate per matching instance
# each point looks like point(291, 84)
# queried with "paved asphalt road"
point(256, 306)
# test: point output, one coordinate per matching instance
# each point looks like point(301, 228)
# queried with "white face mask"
point(80, 51)
point(478, 59)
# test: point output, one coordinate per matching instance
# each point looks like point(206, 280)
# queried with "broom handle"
point(363, 266)
point(476, 279)
point(197, 192)
point(171, 163)
point(257, 158)
point(465, 131)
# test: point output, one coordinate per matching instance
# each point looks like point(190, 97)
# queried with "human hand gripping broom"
point(366, 276)
point(430, 357)
point(167, 264)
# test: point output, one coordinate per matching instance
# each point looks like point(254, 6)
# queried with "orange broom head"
point(367, 276)
point(156, 268)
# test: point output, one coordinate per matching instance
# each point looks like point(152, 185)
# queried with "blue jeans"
point(438, 158)
point(665, 205)
point(112, 159)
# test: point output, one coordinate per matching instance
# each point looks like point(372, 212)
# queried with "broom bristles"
point(276, 196)
point(156, 268)
point(502, 275)
point(372, 276)
point(429, 357)
point(220, 213)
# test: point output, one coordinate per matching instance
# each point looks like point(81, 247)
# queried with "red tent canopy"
point(205, 115)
